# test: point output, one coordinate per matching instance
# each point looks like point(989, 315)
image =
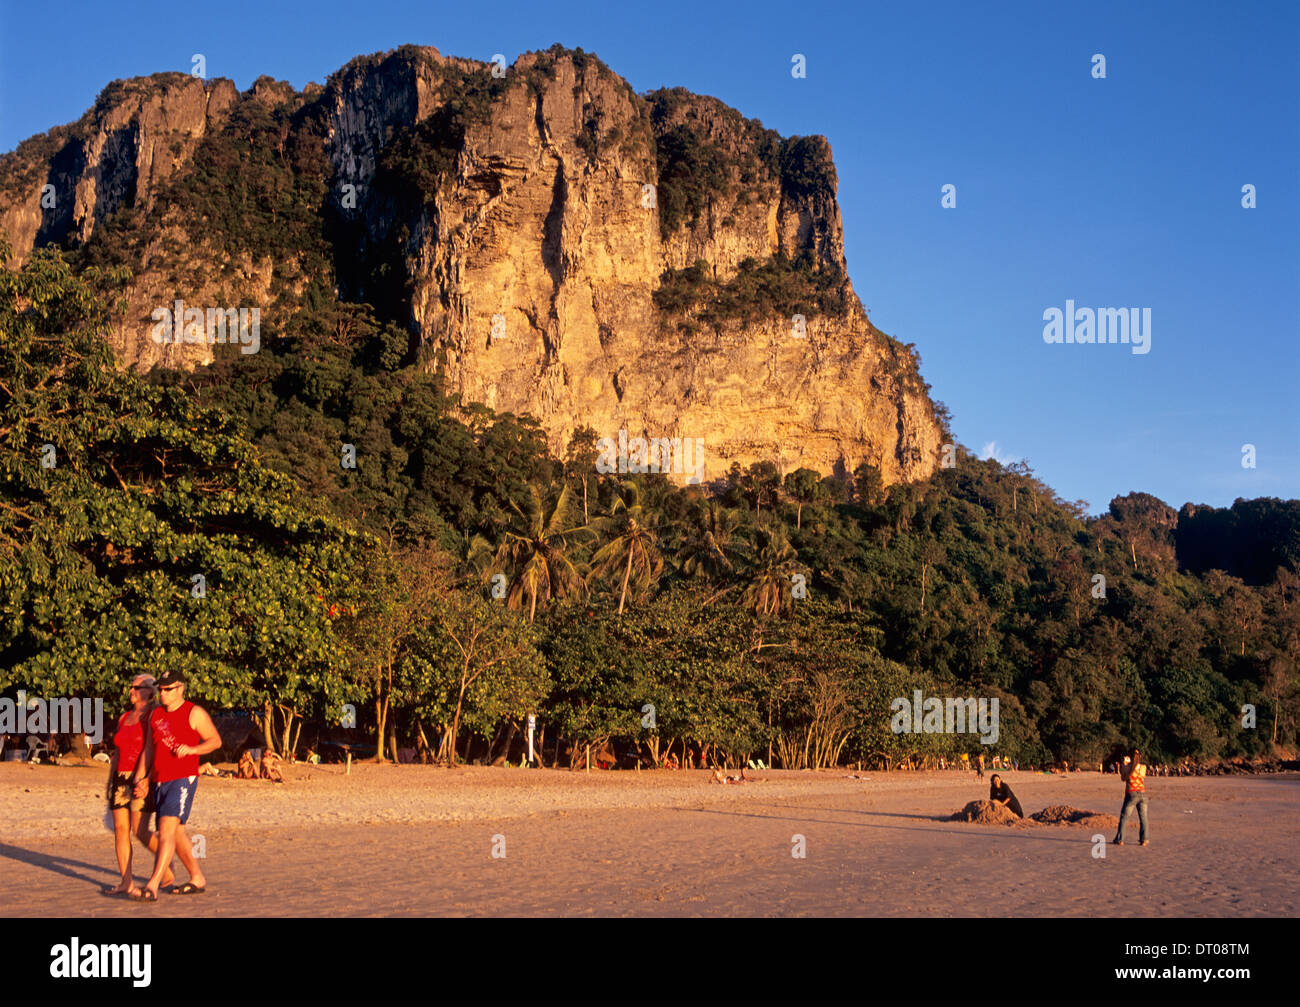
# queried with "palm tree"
point(632, 547)
point(472, 554)
point(534, 552)
point(774, 561)
point(707, 550)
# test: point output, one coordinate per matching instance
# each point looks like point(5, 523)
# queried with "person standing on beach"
point(979, 766)
point(179, 732)
point(1134, 773)
point(131, 814)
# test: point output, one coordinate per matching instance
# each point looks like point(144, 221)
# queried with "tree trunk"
point(268, 726)
point(492, 745)
point(424, 751)
point(626, 574)
point(504, 753)
point(455, 725)
point(379, 728)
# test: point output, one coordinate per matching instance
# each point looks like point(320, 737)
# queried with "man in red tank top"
point(179, 732)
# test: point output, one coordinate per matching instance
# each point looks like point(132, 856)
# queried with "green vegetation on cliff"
point(758, 292)
point(327, 584)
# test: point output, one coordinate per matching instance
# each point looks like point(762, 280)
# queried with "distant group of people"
point(154, 770)
point(977, 764)
point(1159, 769)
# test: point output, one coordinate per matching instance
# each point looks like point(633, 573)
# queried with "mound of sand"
point(1063, 814)
point(985, 813)
point(988, 813)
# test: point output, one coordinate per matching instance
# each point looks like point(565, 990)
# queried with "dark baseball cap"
point(172, 678)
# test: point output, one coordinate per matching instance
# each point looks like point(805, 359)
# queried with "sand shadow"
point(59, 865)
point(878, 814)
point(1002, 833)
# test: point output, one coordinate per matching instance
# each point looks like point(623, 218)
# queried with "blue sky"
point(1115, 192)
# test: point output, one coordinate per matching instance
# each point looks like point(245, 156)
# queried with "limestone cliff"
point(558, 245)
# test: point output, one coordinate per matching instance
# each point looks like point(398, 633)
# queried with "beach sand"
point(418, 840)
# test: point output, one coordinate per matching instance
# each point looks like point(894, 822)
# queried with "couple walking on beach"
point(155, 770)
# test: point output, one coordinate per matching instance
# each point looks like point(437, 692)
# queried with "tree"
point(707, 549)
point(392, 605)
point(139, 530)
point(773, 564)
point(631, 547)
point(475, 662)
point(868, 486)
point(535, 552)
point(759, 483)
point(803, 487)
point(580, 461)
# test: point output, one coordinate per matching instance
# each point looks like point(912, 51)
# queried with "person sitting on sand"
point(271, 768)
point(1000, 793)
point(247, 767)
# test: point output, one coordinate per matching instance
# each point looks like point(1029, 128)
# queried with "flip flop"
point(144, 895)
point(189, 889)
point(111, 892)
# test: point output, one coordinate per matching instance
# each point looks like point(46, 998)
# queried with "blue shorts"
point(174, 798)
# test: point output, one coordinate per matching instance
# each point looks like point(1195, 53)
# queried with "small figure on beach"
point(979, 766)
point(247, 767)
point(131, 814)
point(179, 732)
point(1000, 793)
point(720, 777)
point(271, 767)
point(1133, 772)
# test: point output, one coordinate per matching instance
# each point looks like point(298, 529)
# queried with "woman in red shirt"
point(130, 813)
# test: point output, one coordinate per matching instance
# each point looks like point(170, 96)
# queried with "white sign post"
point(532, 726)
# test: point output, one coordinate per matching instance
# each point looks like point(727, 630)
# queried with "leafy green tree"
point(139, 531)
point(474, 664)
point(803, 488)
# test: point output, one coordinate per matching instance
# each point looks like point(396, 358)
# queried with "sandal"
point(144, 895)
point(189, 888)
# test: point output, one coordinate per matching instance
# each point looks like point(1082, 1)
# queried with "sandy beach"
point(417, 840)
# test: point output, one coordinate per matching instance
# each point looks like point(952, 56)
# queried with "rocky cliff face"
point(558, 245)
